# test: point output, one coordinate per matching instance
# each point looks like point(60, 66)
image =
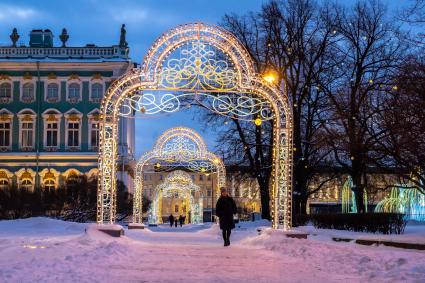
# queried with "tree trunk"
point(265, 198)
point(358, 189)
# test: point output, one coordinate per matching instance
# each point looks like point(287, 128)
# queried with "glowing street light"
point(270, 76)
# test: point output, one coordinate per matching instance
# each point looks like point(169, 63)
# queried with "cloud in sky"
point(13, 13)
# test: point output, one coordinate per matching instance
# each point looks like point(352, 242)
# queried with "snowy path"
point(190, 254)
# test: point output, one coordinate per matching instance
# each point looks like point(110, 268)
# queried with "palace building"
point(50, 98)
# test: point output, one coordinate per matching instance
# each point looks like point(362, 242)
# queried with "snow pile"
point(371, 263)
point(46, 250)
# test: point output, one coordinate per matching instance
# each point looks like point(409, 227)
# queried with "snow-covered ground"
point(46, 250)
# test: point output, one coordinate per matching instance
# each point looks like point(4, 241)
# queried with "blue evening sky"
point(99, 21)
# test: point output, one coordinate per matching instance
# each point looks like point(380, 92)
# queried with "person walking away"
point(181, 219)
point(225, 208)
point(176, 221)
point(171, 219)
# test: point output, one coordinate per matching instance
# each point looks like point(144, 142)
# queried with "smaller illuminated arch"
point(182, 148)
point(176, 182)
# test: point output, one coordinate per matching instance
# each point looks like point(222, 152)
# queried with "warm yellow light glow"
point(258, 122)
point(270, 77)
point(34, 247)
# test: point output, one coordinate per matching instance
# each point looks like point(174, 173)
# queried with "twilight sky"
point(99, 21)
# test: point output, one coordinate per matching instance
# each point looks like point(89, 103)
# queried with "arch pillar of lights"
point(229, 86)
point(183, 147)
point(176, 182)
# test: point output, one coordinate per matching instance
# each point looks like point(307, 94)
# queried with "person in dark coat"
point(175, 222)
point(181, 220)
point(225, 208)
point(171, 219)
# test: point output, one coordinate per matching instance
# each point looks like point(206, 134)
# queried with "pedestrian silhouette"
point(225, 208)
point(181, 220)
point(175, 222)
point(171, 219)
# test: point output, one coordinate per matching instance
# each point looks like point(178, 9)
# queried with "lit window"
point(94, 135)
point(26, 184)
point(49, 184)
point(28, 92)
point(96, 92)
point(27, 133)
point(4, 184)
point(5, 92)
point(176, 208)
point(52, 134)
point(74, 92)
point(4, 134)
point(52, 93)
point(73, 134)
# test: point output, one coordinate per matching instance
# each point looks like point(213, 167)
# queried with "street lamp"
point(212, 195)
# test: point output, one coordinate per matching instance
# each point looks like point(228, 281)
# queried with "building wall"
point(244, 191)
point(29, 71)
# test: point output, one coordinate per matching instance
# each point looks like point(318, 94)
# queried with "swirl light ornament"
point(177, 148)
point(177, 184)
point(210, 64)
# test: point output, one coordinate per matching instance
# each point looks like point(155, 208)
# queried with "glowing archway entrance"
point(207, 65)
point(177, 182)
point(179, 147)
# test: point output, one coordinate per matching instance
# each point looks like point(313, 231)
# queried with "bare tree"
point(404, 122)
point(291, 38)
point(366, 56)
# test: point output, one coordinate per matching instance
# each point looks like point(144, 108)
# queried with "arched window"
point(4, 184)
point(5, 91)
point(28, 92)
point(96, 92)
point(52, 93)
point(26, 184)
point(74, 92)
point(49, 184)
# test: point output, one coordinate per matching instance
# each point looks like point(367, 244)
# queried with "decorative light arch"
point(182, 147)
point(209, 65)
point(177, 181)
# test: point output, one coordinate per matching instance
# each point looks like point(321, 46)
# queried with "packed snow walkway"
point(46, 250)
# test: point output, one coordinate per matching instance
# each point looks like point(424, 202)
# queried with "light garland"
point(237, 75)
point(176, 182)
point(179, 147)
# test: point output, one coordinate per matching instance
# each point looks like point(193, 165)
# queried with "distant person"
point(171, 219)
point(225, 208)
point(176, 221)
point(181, 220)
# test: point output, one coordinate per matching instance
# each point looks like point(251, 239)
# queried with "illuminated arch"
point(177, 181)
point(182, 147)
point(214, 69)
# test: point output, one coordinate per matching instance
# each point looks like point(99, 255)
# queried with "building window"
point(26, 184)
point(96, 92)
point(49, 184)
point(201, 177)
point(5, 92)
point(94, 135)
point(176, 208)
point(52, 134)
point(74, 93)
point(4, 184)
point(4, 134)
point(28, 93)
point(52, 95)
point(160, 177)
point(27, 135)
point(209, 177)
point(209, 192)
point(73, 134)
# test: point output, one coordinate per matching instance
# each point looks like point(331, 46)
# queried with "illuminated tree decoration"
point(179, 147)
point(208, 65)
